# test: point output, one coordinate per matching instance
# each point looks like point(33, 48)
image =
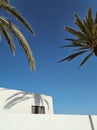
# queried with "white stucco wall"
point(13, 101)
point(15, 114)
point(94, 118)
point(45, 122)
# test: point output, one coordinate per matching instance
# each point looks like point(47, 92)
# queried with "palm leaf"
point(8, 37)
point(86, 58)
point(22, 41)
point(76, 33)
point(78, 42)
point(17, 15)
point(96, 18)
point(67, 46)
point(95, 31)
point(80, 23)
point(73, 44)
point(81, 36)
point(86, 38)
point(82, 48)
point(24, 45)
point(90, 19)
point(72, 56)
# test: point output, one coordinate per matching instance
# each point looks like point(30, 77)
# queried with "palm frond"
point(95, 31)
point(86, 38)
point(78, 42)
point(90, 19)
point(7, 1)
point(24, 45)
point(90, 31)
point(96, 18)
point(17, 15)
point(72, 56)
point(67, 46)
point(83, 27)
point(86, 58)
point(80, 24)
point(82, 48)
point(0, 34)
point(8, 37)
point(22, 41)
point(78, 34)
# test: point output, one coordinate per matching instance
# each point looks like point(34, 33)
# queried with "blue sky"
point(74, 89)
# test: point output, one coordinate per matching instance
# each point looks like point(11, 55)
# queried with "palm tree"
point(86, 37)
point(7, 28)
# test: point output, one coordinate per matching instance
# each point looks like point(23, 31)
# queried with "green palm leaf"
point(86, 58)
point(8, 37)
point(78, 34)
point(86, 38)
point(96, 18)
point(78, 42)
point(80, 24)
point(72, 56)
point(24, 45)
point(83, 27)
point(90, 19)
point(82, 48)
point(21, 39)
point(17, 15)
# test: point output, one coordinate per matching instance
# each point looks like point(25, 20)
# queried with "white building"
point(28, 111)
point(13, 101)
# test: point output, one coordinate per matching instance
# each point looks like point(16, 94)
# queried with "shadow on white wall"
point(22, 96)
